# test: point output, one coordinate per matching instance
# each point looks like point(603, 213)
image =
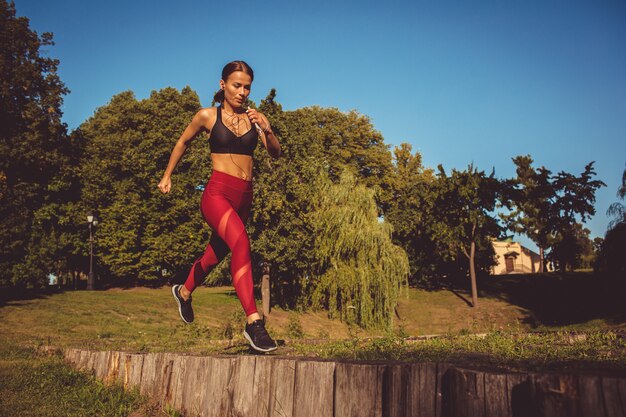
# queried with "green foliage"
point(34, 149)
point(611, 257)
point(127, 144)
point(548, 208)
point(359, 271)
point(312, 140)
point(412, 212)
point(294, 327)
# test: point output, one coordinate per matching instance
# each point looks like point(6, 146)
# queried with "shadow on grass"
point(553, 299)
point(15, 295)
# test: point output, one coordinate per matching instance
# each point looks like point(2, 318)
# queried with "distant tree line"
point(344, 221)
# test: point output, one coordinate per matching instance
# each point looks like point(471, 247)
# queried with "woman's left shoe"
point(258, 337)
point(184, 306)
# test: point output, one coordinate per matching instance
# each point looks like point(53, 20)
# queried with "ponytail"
point(219, 96)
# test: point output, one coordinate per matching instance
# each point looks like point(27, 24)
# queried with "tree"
point(530, 196)
point(411, 211)
point(548, 207)
point(467, 201)
point(33, 141)
point(127, 145)
point(312, 140)
point(358, 271)
point(611, 255)
point(617, 210)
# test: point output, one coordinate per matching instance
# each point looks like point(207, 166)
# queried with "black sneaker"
point(184, 307)
point(257, 336)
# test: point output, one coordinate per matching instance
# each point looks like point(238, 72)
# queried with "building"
point(513, 258)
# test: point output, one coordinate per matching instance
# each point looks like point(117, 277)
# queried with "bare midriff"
point(239, 166)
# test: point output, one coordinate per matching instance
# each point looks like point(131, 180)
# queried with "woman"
point(233, 135)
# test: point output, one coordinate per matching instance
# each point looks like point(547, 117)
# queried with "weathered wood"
point(463, 393)
point(395, 387)
point(133, 364)
point(265, 292)
point(555, 395)
point(589, 397)
point(358, 390)
point(610, 393)
point(101, 364)
point(282, 388)
point(313, 392)
point(240, 386)
point(442, 368)
point(260, 386)
point(194, 388)
point(217, 401)
point(427, 391)
point(518, 388)
point(113, 368)
point(174, 396)
point(496, 396)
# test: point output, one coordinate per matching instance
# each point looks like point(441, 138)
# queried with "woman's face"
point(236, 88)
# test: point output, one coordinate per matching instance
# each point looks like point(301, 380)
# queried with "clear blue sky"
point(462, 82)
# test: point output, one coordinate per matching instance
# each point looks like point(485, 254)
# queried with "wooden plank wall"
point(264, 386)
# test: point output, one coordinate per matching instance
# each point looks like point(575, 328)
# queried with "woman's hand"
point(255, 117)
point(165, 185)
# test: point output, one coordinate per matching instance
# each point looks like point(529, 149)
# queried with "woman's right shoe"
point(258, 337)
point(184, 306)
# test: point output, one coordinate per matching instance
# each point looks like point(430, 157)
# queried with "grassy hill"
point(534, 322)
point(146, 319)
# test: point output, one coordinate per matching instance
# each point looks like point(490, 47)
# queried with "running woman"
point(225, 205)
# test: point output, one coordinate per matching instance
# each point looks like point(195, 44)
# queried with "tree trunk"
point(541, 261)
point(473, 274)
point(265, 289)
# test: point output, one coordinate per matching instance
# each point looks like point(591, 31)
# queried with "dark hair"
point(229, 69)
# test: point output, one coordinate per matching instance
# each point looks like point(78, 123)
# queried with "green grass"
point(146, 319)
point(43, 385)
point(523, 323)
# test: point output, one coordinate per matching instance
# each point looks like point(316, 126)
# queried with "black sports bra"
point(223, 140)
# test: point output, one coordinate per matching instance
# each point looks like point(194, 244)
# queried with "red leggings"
point(225, 206)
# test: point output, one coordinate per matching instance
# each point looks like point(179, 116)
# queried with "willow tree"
point(359, 271)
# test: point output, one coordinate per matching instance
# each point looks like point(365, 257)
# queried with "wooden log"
point(174, 396)
point(217, 401)
point(426, 389)
point(194, 388)
point(83, 360)
point(101, 364)
point(589, 397)
point(313, 389)
point(442, 368)
point(611, 397)
point(395, 388)
point(90, 362)
point(519, 387)
point(282, 388)
point(165, 377)
point(496, 395)
point(241, 385)
point(113, 368)
point(265, 289)
point(555, 395)
point(133, 364)
point(261, 386)
point(463, 393)
point(358, 390)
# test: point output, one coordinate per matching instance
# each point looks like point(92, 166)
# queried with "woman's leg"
point(228, 225)
point(215, 251)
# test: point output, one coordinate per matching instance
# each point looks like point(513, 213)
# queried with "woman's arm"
point(270, 140)
point(199, 121)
